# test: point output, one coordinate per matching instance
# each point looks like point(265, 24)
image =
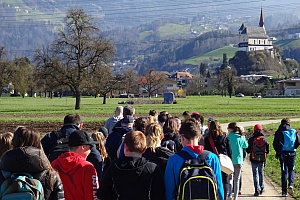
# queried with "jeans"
point(235, 178)
point(287, 164)
point(258, 175)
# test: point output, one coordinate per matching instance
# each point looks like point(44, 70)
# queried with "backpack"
point(259, 149)
point(289, 140)
point(60, 147)
point(21, 186)
point(170, 144)
point(196, 179)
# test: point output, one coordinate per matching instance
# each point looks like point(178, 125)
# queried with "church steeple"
point(261, 20)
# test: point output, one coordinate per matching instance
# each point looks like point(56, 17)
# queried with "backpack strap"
point(186, 156)
point(213, 146)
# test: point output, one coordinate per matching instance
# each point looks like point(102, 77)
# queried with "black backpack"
point(170, 144)
point(60, 147)
point(196, 179)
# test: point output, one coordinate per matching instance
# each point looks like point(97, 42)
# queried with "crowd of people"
point(158, 156)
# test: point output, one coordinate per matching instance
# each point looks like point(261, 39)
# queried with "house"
point(254, 38)
point(290, 87)
point(182, 78)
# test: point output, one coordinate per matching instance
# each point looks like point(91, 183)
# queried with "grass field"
point(288, 43)
point(16, 109)
point(210, 56)
point(223, 108)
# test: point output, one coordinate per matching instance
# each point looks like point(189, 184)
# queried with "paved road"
point(273, 191)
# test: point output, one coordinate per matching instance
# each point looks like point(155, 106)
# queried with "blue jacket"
point(174, 165)
point(49, 141)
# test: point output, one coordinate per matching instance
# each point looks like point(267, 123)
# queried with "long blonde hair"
point(153, 134)
point(98, 136)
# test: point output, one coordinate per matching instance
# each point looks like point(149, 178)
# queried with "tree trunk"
point(104, 98)
point(78, 99)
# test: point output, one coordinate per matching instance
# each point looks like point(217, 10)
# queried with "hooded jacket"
point(279, 139)
point(250, 146)
point(175, 138)
point(111, 122)
point(132, 178)
point(160, 157)
point(50, 140)
point(78, 176)
point(33, 161)
point(237, 143)
point(114, 140)
point(222, 144)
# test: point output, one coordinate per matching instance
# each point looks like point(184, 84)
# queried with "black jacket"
point(222, 144)
point(33, 161)
point(175, 138)
point(160, 157)
point(279, 139)
point(250, 145)
point(132, 178)
point(114, 140)
point(50, 139)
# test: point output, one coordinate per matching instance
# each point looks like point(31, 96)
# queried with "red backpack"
point(259, 149)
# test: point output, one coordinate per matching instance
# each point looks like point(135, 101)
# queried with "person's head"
point(198, 117)
point(153, 113)
point(215, 129)
point(140, 124)
point(162, 118)
point(127, 120)
point(119, 111)
point(73, 119)
point(257, 127)
point(5, 142)
point(154, 135)
point(190, 132)
point(104, 132)
point(178, 122)
point(128, 110)
point(233, 127)
point(186, 114)
point(164, 112)
point(209, 121)
point(25, 136)
point(285, 121)
point(134, 142)
point(99, 137)
point(81, 142)
point(170, 126)
point(151, 119)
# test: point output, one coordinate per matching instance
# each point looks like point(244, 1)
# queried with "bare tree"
point(227, 80)
point(76, 53)
point(152, 81)
point(129, 81)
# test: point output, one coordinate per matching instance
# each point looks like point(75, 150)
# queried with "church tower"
point(261, 20)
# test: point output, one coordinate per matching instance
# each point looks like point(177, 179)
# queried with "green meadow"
point(225, 109)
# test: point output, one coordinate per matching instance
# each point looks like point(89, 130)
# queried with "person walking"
point(218, 139)
point(79, 177)
point(237, 143)
point(285, 143)
point(258, 149)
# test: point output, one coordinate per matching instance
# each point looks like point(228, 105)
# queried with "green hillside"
point(212, 57)
point(288, 43)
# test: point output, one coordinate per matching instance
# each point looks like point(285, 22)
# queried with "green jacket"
point(238, 143)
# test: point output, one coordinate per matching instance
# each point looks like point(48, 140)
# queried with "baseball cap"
point(257, 127)
point(210, 119)
point(81, 137)
point(127, 119)
point(104, 131)
point(195, 113)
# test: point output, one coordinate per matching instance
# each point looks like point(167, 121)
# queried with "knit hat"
point(257, 127)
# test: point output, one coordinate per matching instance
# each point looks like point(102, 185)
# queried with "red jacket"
point(78, 176)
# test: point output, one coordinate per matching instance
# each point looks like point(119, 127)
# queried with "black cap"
point(127, 119)
point(81, 137)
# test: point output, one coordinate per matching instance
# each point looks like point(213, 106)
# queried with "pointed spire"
point(261, 20)
point(242, 27)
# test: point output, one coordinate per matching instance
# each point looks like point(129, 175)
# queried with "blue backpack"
point(21, 186)
point(196, 179)
point(289, 140)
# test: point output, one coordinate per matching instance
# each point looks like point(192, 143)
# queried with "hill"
point(212, 57)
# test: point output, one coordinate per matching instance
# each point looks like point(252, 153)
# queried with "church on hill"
point(255, 38)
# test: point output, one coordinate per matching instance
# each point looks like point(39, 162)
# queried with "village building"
point(255, 38)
